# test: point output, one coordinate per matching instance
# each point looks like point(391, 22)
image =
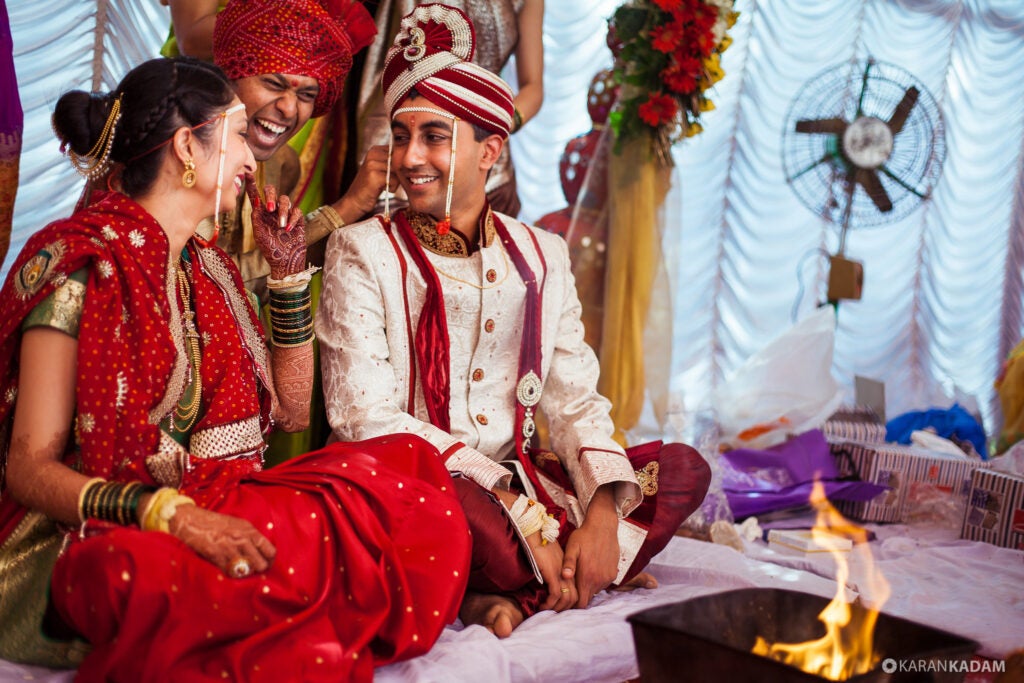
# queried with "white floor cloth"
point(973, 589)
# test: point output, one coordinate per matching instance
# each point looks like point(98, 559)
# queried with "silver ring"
point(240, 568)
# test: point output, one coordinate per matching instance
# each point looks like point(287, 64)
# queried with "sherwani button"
point(478, 375)
point(482, 419)
point(491, 275)
point(489, 325)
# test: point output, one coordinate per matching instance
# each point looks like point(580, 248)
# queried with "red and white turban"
point(432, 53)
point(300, 37)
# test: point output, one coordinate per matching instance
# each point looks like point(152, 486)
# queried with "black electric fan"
point(863, 145)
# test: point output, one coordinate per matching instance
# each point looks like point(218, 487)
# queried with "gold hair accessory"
point(95, 162)
point(188, 178)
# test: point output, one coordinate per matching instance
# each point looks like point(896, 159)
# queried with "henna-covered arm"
point(279, 230)
point(292, 368)
point(36, 477)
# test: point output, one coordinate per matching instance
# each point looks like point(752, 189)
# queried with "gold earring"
point(188, 178)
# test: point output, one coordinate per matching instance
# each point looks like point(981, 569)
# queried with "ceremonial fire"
point(847, 648)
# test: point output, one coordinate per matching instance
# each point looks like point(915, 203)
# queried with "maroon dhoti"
point(499, 563)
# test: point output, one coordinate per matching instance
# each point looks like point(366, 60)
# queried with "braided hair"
point(157, 97)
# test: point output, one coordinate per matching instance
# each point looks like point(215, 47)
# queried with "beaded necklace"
point(187, 409)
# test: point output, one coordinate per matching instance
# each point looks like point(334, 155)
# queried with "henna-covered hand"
point(222, 539)
point(279, 229)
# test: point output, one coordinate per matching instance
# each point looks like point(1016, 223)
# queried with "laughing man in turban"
point(288, 60)
point(458, 323)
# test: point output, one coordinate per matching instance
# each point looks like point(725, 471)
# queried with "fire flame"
point(847, 648)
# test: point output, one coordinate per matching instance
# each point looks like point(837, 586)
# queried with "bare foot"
point(641, 580)
point(496, 613)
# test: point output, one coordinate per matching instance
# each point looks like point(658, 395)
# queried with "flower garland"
point(667, 54)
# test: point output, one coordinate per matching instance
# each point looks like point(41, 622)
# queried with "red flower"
point(657, 109)
point(679, 80)
point(668, 5)
point(665, 38)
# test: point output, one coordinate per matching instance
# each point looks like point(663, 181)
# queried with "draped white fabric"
point(942, 297)
point(57, 48)
point(943, 287)
point(942, 293)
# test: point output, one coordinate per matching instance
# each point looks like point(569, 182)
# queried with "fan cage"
point(817, 171)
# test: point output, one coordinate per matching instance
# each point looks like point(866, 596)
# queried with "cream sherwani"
point(372, 296)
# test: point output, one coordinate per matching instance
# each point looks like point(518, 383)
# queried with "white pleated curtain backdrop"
point(942, 292)
point(943, 287)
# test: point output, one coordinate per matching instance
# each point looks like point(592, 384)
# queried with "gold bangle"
point(297, 310)
point(294, 345)
point(82, 516)
point(277, 329)
point(161, 509)
point(332, 216)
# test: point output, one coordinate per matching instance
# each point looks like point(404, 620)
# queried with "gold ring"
point(240, 568)
point(565, 590)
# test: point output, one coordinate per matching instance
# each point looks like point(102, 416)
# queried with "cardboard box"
point(903, 469)
point(854, 424)
point(995, 509)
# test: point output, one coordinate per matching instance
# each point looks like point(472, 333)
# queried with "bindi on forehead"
point(294, 83)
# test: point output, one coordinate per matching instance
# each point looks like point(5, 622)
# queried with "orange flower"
point(658, 109)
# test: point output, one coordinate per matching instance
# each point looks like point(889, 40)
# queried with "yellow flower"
point(693, 128)
point(713, 68)
point(706, 105)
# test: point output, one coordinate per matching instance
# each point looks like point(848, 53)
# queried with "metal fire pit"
point(710, 638)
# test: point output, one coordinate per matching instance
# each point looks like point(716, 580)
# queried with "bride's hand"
point(222, 539)
point(279, 229)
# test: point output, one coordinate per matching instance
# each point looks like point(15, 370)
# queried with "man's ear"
point(491, 150)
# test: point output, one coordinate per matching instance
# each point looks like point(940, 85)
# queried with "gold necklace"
point(473, 284)
point(187, 409)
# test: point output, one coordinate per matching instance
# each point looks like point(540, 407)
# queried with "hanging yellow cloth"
point(1010, 387)
point(638, 184)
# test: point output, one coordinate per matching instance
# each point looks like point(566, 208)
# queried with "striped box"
point(854, 424)
point(902, 469)
point(995, 509)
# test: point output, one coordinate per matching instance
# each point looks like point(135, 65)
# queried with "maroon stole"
point(431, 348)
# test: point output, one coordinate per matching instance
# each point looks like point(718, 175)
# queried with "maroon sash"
point(431, 348)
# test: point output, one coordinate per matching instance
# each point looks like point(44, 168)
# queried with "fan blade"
point(864, 87)
point(833, 126)
point(903, 109)
point(869, 180)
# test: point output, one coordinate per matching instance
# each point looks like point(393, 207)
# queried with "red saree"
point(371, 559)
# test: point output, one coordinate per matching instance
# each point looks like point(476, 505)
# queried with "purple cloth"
point(11, 116)
point(760, 481)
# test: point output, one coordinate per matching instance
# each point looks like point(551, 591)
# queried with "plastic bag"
point(785, 388)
